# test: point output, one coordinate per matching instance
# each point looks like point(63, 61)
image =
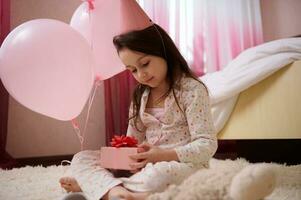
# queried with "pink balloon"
point(101, 24)
point(47, 66)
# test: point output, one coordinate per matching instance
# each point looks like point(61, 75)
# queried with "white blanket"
point(247, 69)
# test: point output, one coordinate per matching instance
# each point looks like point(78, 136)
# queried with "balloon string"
point(91, 98)
point(77, 131)
point(75, 125)
point(97, 79)
point(81, 136)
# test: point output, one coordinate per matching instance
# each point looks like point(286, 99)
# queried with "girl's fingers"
point(138, 165)
point(145, 146)
point(139, 156)
point(140, 150)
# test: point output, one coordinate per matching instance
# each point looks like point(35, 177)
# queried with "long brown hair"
point(154, 41)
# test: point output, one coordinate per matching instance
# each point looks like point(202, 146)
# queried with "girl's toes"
point(69, 184)
point(65, 180)
point(66, 187)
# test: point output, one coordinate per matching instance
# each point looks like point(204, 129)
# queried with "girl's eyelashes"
point(145, 64)
point(132, 70)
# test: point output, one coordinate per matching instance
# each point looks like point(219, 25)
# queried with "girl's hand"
point(151, 154)
point(139, 150)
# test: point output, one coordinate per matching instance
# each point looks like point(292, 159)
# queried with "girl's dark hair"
point(154, 41)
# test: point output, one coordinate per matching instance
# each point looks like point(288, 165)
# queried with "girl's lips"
point(149, 79)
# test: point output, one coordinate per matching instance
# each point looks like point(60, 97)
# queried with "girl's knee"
point(157, 184)
point(162, 174)
point(86, 155)
point(81, 153)
point(158, 176)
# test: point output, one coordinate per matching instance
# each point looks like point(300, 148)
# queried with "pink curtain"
point(6, 161)
point(209, 34)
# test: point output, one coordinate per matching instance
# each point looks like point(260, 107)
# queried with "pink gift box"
point(117, 158)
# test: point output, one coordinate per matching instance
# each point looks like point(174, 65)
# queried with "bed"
point(268, 110)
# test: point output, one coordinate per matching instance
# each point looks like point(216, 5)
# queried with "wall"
point(31, 134)
point(280, 18)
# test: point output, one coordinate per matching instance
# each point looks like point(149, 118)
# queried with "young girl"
point(169, 115)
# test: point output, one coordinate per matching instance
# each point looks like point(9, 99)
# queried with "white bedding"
point(247, 69)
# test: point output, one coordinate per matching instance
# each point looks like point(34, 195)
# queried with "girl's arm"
point(203, 143)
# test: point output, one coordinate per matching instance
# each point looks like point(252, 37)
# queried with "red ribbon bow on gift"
point(123, 141)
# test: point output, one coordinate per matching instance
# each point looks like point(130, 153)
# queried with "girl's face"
point(147, 69)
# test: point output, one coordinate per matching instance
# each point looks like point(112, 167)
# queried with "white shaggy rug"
point(40, 183)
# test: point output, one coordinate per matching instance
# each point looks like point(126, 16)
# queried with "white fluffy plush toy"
point(253, 182)
point(224, 180)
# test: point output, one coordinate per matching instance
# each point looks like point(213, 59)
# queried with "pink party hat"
point(132, 16)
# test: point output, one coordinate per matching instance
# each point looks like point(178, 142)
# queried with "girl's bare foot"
point(70, 184)
point(120, 192)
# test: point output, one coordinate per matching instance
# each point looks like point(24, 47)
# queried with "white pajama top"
point(191, 133)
